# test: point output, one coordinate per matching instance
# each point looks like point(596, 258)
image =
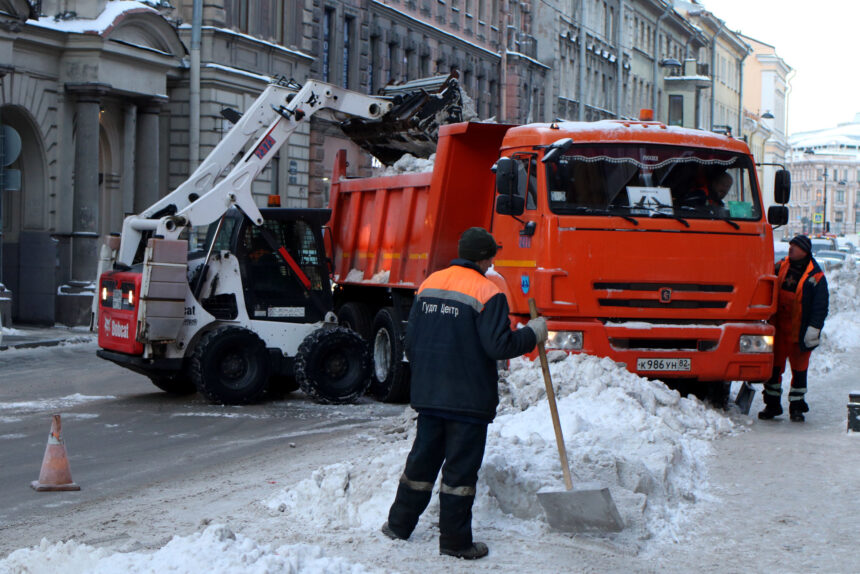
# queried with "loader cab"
point(275, 289)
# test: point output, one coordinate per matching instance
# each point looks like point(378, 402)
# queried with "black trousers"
point(460, 446)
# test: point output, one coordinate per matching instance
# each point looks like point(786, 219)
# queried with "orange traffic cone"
point(56, 473)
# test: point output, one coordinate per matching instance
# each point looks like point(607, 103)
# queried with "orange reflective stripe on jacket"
point(459, 284)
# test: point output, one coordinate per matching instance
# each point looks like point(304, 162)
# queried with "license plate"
point(663, 364)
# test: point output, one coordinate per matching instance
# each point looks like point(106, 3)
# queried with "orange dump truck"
point(618, 229)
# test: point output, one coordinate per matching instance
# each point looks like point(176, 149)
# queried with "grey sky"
point(819, 41)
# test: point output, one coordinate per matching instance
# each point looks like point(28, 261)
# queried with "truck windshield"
point(653, 180)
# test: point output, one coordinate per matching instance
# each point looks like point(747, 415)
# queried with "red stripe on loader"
point(295, 267)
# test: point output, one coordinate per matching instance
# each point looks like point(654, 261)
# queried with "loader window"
point(272, 289)
point(684, 182)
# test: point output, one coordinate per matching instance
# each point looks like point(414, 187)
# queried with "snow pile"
point(408, 163)
point(842, 327)
point(636, 436)
point(216, 549)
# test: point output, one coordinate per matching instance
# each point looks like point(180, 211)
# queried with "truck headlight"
point(756, 344)
point(565, 340)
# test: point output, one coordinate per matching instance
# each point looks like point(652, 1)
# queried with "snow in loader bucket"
point(412, 125)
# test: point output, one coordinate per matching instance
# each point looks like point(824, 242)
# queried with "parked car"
point(830, 259)
point(823, 244)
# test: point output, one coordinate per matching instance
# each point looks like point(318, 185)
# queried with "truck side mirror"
point(781, 187)
point(510, 204)
point(507, 174)
point(777, 214)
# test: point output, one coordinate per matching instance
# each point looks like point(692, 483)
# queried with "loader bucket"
point(412, 125)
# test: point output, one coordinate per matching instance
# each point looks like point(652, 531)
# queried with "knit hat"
point(476, 244)
point(803, 242)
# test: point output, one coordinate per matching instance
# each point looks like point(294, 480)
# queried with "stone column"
point(146, 180)
point(85, 210)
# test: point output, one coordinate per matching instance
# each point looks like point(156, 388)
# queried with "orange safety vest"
point(797, 307)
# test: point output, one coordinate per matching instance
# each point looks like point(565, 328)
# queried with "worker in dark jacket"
point(458, 328)
point(801, 310)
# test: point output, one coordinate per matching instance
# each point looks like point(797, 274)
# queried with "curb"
point(47, 343)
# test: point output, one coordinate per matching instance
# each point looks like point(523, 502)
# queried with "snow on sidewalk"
point(215, 550)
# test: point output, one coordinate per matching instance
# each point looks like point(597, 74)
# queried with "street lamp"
point(767, 116)
point(824, 227)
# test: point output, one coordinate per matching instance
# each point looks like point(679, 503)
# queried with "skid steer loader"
point(248, 309)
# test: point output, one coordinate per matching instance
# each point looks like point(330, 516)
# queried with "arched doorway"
point(29, 253)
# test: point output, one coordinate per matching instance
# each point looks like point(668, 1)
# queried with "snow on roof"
point(100, 25)
point(253, 39)
point(847, 134)
point(239, 72)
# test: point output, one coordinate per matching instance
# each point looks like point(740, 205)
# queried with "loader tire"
point(356, 316)
point(230, 365)
point(390, 381)
point(175, 384)
point(333, 366)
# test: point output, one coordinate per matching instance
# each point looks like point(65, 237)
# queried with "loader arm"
point(269, 122)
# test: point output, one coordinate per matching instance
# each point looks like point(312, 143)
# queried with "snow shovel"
point(745, 397)
point(587, 508)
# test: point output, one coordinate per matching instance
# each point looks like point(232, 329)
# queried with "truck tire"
point(175, 384)
point(230, 365)
point(356, 316)
point(333, 366)
point(390, 381)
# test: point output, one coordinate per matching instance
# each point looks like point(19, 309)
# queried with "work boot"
point(473, 552)
point(391, 534)
point(796, 410)
point(770, 411)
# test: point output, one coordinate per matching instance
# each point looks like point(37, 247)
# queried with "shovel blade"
point(581, 510)
point(745, 397)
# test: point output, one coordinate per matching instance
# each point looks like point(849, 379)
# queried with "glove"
point(538, 325)
point(811, 339)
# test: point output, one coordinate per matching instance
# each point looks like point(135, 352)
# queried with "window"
point(657, 181)
point(372, 81)
point(348, 24)
point(676, 110)
point(328, 36)
point(392, 62)
point(840, 196)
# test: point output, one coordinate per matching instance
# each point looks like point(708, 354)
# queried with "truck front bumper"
point(706, 352)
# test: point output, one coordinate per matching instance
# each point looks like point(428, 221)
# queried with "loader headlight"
point(104, 293)
point(564, 340)
point(756, 344)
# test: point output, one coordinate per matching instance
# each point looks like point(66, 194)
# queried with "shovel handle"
point(553, 408)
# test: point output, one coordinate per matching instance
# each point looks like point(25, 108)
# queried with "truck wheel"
point(718, 394)
point(390, 381)
point(175, 384)
point(333, 366)
point(356, 316)
point(230, 365)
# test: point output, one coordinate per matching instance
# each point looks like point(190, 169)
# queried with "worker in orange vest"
point(801, 310)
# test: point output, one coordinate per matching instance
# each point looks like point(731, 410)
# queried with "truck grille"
point(662, 295)
point(622, 344)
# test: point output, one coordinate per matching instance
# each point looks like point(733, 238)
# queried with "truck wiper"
point(593, 211)
point(730, 222)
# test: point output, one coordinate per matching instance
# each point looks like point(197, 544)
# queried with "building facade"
point(766, 111)
point(825, 180)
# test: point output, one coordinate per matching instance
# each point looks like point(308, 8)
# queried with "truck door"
point(272, 288)
point(517, 260)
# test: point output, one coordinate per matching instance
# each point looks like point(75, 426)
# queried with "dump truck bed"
point(395, 230)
